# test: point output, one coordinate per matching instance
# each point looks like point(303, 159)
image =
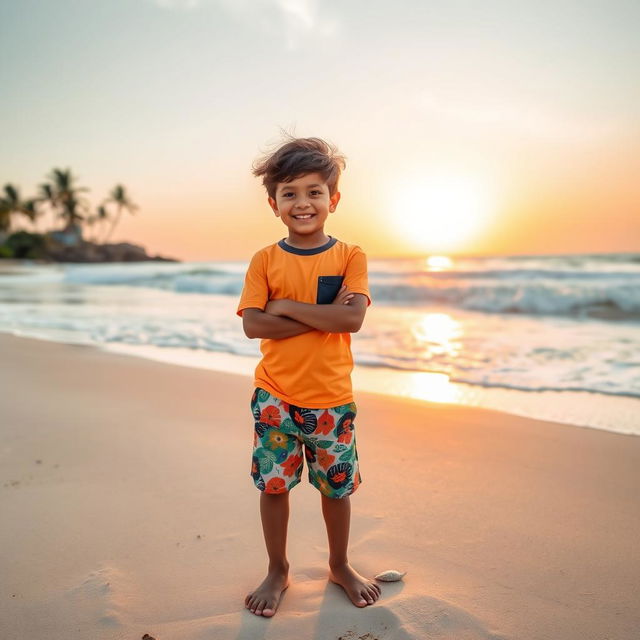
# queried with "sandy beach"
point(127, 508)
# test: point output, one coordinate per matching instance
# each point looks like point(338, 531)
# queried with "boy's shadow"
point(252, 627)
point(338, 616)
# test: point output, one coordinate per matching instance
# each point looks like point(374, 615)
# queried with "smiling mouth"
point(306, 216)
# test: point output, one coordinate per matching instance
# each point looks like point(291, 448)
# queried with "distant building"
point(69, 237)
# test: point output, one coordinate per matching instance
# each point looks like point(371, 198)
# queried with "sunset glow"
point(441, 212)
point(513, 141)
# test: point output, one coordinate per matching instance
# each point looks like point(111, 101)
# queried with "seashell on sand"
point(390, 576)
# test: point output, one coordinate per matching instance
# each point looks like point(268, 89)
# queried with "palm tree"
point(11, 203)
point(101, 216)
point(121, 199)
point(63, 197)
point(47, 197)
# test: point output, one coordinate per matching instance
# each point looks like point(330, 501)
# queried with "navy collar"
point(307, 252)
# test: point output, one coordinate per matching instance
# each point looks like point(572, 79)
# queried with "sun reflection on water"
point(429, 336)
point(434, 387)
point(421, 385)
point(438, 263)
point(437, 334)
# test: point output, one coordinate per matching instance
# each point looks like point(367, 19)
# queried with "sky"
point(494, 128)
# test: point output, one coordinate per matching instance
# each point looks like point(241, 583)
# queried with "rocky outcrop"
point(91, 252)
point(63, 246)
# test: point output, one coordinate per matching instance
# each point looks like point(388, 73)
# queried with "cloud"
point(294, 21)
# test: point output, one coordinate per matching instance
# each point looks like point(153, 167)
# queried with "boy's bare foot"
point(265, 599)
point(360, 590)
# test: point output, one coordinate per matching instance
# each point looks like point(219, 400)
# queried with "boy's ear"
point(333, 201)
point(273, 205)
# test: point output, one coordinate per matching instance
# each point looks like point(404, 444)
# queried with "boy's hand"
point(274, 307)
point(344, 296)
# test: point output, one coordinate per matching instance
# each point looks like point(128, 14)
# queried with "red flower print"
point(345, 437)
point(291, 464)
point(275, 485)
point(270, 415)
point(326, 423)
point(285, 406)
point(324, 458)
point(339, 477)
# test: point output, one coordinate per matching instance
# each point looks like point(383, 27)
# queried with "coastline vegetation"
point(60, 198)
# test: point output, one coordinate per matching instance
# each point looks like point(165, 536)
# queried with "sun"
point(440, 213)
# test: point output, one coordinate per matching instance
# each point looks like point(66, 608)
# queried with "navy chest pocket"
point(328, 287)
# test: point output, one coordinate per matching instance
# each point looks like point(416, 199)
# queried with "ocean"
point(550, 337)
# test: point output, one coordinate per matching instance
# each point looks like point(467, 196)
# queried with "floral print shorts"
point(327, 435)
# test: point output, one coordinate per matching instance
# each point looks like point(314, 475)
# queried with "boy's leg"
point(337, 517)
point(274, 511)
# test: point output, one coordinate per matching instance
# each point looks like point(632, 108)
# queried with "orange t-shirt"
point(311, 370)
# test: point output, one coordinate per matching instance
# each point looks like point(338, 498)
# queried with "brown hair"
point(297, 157)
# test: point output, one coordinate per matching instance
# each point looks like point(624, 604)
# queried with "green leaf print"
point(266, 459)
point(266, 453)
point(324, 444)
point(343, 408)
point(346, 456)
point(339, 447)
point(263, 395)
point(287, 425)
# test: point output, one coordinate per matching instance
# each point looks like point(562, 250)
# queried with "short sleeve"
point(255, 292)
point(356, 277)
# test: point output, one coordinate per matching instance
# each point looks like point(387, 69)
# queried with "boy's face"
point(306, 196)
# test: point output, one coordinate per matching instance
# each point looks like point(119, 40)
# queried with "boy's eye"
point(313, 192)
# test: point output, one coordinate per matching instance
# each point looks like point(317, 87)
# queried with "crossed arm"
point(285, 318)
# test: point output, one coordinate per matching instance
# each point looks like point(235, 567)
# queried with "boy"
point(304, 296)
